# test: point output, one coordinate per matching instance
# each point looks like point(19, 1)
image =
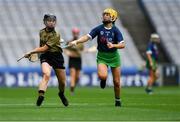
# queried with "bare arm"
point(67, 52)
point(40, 49)
point(118, 46)
point(83, 39)
point(91, 49)
point(37, 50)
point(149, 59)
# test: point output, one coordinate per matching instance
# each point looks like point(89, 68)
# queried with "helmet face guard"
point(49, 17)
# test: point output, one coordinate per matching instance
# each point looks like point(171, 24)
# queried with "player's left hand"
point(110, 45)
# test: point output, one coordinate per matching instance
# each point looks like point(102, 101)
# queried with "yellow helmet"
point(113, 13)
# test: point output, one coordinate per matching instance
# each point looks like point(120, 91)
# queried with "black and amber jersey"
point(51, 39)
point(76, 50)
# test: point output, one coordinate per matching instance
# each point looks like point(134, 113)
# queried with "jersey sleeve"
point(94, 32)
point(148, 50)
point(119, 36)
point(53, 40)
point(40, 38)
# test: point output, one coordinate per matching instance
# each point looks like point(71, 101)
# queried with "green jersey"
point(51, 39)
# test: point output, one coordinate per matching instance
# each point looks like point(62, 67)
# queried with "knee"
point(77, 79)
point(46, 76)
point(151, 78)
point(116, 84)
point(102, 76)
point(62, 82)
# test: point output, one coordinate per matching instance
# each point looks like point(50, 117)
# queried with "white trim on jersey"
point(121, 42)
point(149, 52)
point(108, 28)
point(89, 36)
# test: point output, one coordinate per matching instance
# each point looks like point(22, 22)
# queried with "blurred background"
point(21, 20)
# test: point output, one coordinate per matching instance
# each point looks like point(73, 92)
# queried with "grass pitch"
point(91, 103)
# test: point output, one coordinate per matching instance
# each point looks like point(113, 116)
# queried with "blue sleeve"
point(94, 32)
point(149, 48)
point(119, 36)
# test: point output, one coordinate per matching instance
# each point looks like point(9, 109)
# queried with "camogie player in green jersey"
point(109, 39)
point(51, 57)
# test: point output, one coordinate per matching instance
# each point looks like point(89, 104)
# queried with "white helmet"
point(155, 37)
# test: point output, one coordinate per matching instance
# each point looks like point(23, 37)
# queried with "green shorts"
point(111, 59)
point(154, 64)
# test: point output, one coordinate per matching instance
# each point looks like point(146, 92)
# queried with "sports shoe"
point(63, 99)
point(118, 103)
point(72, 91)
point(39, 100)
point(103, 84)
point(149, 91)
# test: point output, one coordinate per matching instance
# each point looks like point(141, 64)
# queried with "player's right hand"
point(27, 55)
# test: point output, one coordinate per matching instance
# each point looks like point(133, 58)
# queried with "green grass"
point(91, 104)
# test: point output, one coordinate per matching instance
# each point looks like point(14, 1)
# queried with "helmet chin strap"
point(50, 29)
point(106, 22)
